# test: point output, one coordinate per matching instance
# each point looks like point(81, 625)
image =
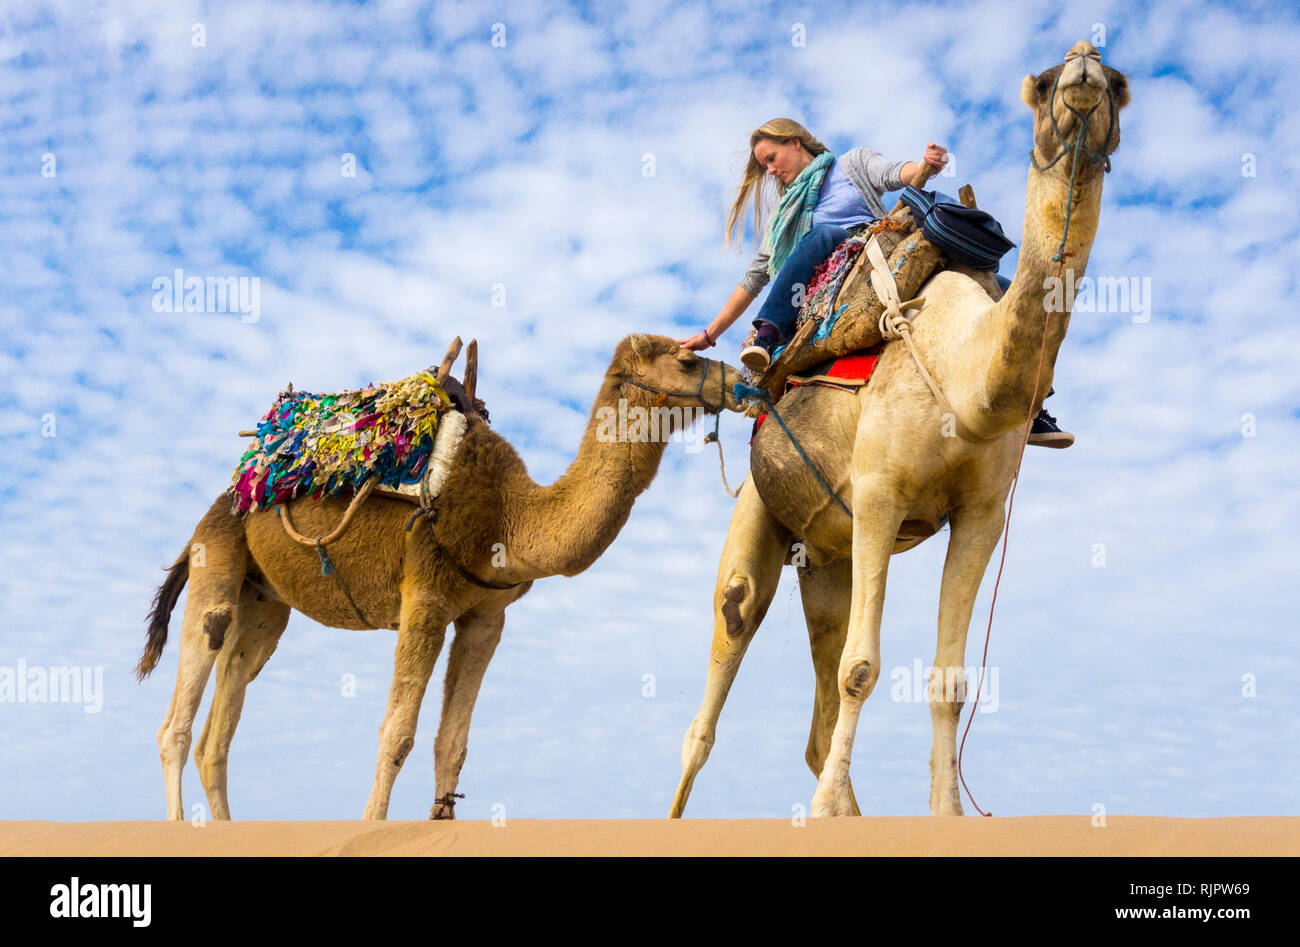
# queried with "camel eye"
point(1042, 86)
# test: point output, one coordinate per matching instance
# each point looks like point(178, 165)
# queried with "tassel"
point(326, 566)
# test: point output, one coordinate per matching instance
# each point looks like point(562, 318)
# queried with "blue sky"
point(1119, 685)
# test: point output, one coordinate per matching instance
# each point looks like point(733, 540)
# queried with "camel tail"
point(160, 614)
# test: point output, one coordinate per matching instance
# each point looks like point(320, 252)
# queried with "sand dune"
point(1030, 835)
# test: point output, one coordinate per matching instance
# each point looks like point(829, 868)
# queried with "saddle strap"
point(339, 530)
point(895, 325)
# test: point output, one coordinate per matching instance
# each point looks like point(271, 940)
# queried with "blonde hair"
point(779, 130)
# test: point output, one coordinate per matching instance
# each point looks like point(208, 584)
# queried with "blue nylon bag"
point(964, 234)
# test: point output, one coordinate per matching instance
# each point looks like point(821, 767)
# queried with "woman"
point(820, 197)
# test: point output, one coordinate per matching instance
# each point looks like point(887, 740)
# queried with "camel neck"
point(1035, 301)
point(562, 528)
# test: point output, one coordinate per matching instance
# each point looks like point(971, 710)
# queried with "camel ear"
point(1029, 91)
point(641, 346)
point(1120, 90)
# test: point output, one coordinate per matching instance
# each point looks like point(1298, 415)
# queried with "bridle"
point(1077, 147)
point(1095, 157)
point(697, 394)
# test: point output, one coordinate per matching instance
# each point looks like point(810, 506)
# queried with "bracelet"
point(707, 336)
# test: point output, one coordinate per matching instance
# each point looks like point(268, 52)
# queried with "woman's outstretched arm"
point(731, 311)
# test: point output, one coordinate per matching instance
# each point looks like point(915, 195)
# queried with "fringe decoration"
point(316, 445)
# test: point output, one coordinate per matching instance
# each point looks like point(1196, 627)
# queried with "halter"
point(1077, 148)
point(697, 394)
point(714, 436)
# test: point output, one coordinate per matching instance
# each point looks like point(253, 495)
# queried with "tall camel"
point(901, 464)
point(494, 523)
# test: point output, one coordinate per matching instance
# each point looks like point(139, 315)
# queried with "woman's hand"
point(696, 342)
point(935, 155)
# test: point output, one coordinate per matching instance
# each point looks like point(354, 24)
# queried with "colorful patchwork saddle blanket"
point(315, 445)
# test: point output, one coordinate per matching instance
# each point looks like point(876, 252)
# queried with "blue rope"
point(828, 323)
point(1094, 157)
point(746, 392)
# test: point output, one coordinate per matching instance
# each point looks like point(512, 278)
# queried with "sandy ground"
point(1031, 835)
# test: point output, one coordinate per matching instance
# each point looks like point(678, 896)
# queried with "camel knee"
point(216, 622)
point(946, 693)
point(402, 750)
point(739, 607)
point(696, 746)
point(397, 747)
point(858, 679)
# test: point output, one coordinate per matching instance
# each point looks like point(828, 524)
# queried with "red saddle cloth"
point(847, 372)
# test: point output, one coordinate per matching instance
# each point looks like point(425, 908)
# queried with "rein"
point(1095, 159)
point(1076, 148)
point(761, 394)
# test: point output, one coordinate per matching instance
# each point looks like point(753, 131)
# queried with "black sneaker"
point(758, 355)
point(1045, 433)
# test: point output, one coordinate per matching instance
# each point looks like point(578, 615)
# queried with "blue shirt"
point(839, 203)
point(869, 172)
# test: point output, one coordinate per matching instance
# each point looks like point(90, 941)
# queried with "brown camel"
point(901, 465)
point(245, 573)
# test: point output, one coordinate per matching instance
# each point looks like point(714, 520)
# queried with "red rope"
point(1005, 536)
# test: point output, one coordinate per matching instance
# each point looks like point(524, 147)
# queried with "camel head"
point(1079, 89)
point(654, 371)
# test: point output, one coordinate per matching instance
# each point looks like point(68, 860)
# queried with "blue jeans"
point(780, 309)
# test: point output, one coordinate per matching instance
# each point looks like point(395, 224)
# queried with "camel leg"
point(419, 639)
point(827, 593)
point(257, 629)
point(476, 641)
point(974, 536)
point(748, 574)
point(218, 560)
point(877, 516)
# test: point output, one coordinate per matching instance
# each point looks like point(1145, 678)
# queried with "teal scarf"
point(793, 216)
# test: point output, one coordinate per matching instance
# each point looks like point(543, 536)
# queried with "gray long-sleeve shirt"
point(871, 173)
